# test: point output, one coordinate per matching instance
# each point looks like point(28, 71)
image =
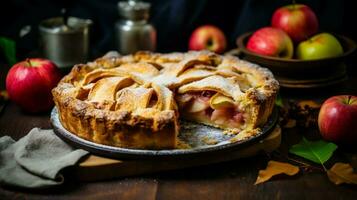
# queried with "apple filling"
point(211, 108)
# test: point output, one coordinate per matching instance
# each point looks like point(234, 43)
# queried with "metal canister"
point(133, 32)
point(65, 43)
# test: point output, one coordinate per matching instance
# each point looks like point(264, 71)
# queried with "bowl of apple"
point(298, 55)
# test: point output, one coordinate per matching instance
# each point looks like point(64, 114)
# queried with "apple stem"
point(28, 62)
point(349, 99)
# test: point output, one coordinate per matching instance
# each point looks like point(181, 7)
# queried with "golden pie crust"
point(135, 101)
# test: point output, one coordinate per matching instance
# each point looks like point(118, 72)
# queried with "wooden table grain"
point(229, 180)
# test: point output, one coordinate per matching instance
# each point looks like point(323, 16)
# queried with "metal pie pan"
point(195, 134)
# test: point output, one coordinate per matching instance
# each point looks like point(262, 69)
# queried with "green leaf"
point(279, 101)
point(315, 151)
point(8, 47)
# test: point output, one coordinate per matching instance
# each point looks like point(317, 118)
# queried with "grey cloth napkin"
point(35, 161)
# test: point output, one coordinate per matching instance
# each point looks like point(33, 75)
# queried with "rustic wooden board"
point(100, 168)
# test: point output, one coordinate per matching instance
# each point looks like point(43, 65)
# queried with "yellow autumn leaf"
point(290, 124)
point(308, 103)
point(342, 173)
point(3, 95)
point(275, 168)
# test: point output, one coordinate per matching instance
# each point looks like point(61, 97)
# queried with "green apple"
point(323, 45)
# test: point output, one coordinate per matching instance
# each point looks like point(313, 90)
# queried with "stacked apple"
point(297, 25)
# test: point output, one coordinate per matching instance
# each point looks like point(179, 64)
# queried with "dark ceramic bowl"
point(299, 69)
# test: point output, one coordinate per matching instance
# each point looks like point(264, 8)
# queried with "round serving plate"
point(204, 141)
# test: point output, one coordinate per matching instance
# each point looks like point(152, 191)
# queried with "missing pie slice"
point(136, 101)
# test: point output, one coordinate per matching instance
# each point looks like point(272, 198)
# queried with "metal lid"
point(134, 10)
point(57, 25)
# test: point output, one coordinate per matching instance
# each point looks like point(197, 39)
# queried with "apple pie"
point(136, 101)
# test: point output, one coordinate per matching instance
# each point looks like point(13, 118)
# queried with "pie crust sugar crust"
point(136, 101)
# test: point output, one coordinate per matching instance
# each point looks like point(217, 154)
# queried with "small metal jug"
point(65, 43)
point(133, 32)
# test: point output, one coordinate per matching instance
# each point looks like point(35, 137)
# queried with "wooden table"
point(230, 180)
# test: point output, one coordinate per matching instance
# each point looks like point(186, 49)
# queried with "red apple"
point(271, 41)
point(297, 20)
point(208, 37)
point(338, 119)
point(29, 84)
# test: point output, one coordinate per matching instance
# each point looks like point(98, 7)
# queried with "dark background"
point(173, 19)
